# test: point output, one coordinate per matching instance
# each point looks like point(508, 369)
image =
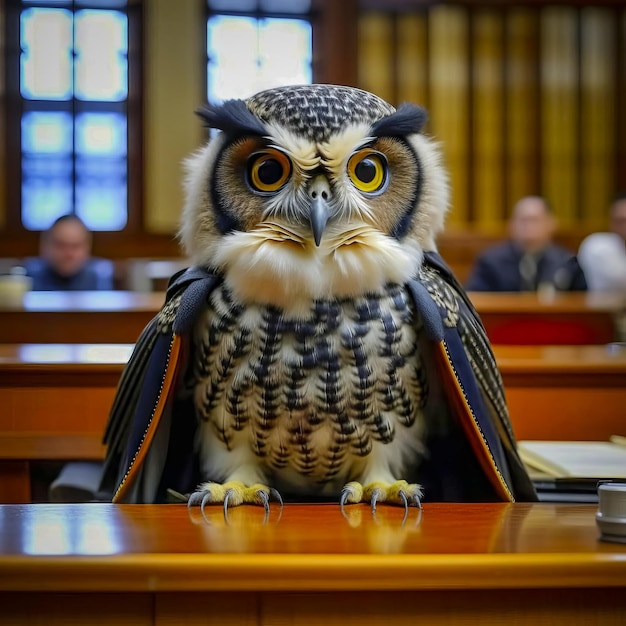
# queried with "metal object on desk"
point(611, 515)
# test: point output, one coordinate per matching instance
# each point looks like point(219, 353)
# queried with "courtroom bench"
point(56, 399)
point(120, 316)
point(573, 318)
point(309, 564)
point(78, 317)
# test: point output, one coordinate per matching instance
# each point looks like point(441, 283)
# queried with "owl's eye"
point(368, 170)
point(268, 171)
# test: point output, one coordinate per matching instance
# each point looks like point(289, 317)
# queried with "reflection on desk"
point(79, 317)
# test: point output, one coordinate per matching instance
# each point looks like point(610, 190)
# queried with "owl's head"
point(313, 191)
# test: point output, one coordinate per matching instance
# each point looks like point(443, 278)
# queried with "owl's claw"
point(400, 492)
point(233, 493)
point(275, 495)
point(376, 494)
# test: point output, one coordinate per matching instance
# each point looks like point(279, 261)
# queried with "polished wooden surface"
point(120, 316)
point(487, 564)
point(56, 399)
point(78, 317)
point(91, 547)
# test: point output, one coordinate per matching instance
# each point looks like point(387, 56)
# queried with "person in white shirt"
point(602, 256)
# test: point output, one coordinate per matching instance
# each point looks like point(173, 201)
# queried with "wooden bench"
point(563, 318)
point(120, 316)
point(79, 317)
point(56, 399)
point(309, 564)
point(564, 392)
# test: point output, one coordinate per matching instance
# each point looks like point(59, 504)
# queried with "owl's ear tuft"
point(233, 117)
point(408, 119)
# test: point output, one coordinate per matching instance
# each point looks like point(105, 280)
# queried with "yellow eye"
point(268, 171)
point(368, 170)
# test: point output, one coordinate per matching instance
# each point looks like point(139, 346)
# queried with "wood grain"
point(598, 114)
point(101, 547)
point(488, 165)
point(559, 111)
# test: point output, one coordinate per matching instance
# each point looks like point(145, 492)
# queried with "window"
point(73, 107)
point(256, 44)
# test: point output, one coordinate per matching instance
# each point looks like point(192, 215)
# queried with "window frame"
point(15, 239)
point(257, 14)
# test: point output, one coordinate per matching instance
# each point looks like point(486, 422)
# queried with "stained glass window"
point(74, 89)
point(255, 45)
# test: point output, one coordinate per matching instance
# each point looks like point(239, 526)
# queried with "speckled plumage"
point(318, 111)
point(310, 395)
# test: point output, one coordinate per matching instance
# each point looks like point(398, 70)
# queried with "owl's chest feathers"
point(314, 394)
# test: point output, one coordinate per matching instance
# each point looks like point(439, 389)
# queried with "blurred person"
point(65, 262)
point(529, 260)
point(603, 255)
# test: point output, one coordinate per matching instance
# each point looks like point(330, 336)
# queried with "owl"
point(318, 347)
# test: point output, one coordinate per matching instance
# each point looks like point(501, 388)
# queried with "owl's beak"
point(319, 193)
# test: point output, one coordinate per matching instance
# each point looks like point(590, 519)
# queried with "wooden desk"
point(120, 316)
point(564, 392)
point(462, 564)
point(56, 399)
point(564, 319)
point(79, 317)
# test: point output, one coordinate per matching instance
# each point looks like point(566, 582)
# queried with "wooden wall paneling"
point(412, 58)
point(487, 163)
point(449, 100)
point(522, 106)
point(175, 32)
point(559, 104)
point(620, 127)
point(376, 54)
point(335, 41)
point(3, 106)
point(597, 128)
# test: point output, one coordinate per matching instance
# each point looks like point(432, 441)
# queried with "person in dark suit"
point(529, 260)
point(65, 262)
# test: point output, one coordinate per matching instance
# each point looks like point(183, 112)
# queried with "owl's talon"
point(229, 492)
point(417, 501)
point(194, 499)
point(404, 499)
point(376, 494)
point(351, 494)
point(265, 500)
point(205, 498)
point(275, 495)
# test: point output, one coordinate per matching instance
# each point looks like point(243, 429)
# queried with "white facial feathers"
point(276, 261)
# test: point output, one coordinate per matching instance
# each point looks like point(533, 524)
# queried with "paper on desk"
point(574, 459)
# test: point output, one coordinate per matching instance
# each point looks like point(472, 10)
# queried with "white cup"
point(13, 286)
